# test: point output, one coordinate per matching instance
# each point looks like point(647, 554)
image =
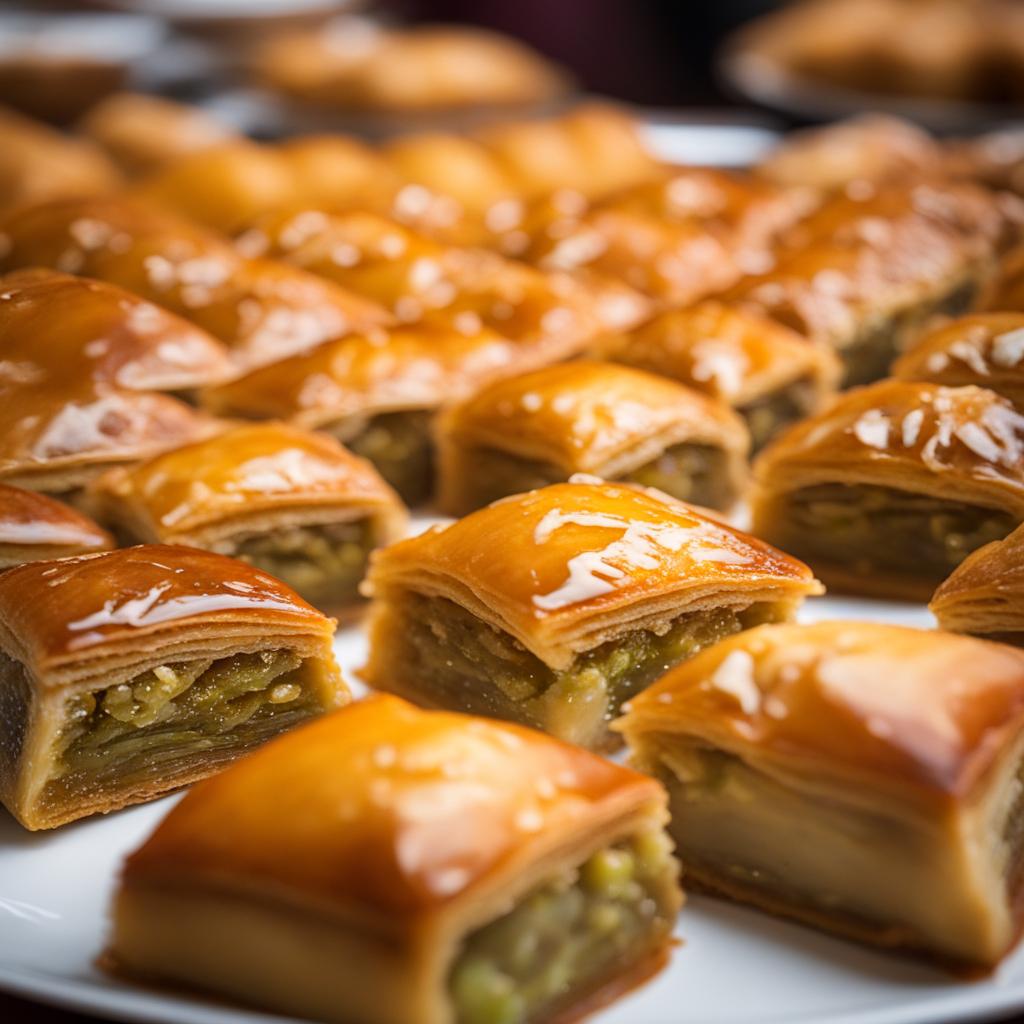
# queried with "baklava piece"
point(768, 373)
point(861, 778)
point(85, 329)
point(290, 502)
point(985, 593)
point(35, 528)
point(262, 309)
point(866, 272)
point(1005, 292)
point(387, 864)
point(892, 486)
point(553, 607)
point(377, 393)
point(614, 422)
point(986, 349)
point(127, 674)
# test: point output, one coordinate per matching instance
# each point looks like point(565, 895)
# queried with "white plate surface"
point(734, 965)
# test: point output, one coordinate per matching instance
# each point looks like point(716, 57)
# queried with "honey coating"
point(78, 328)
point(243, 473)
point(263, 310)
point(36, 526)
point(986, 349)
point(359, 842)
point(582, 558)
point(54, 612)
point(820, 700)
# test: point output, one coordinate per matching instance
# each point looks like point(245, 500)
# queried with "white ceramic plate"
point(734, 965)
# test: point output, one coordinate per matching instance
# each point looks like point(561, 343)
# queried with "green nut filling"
point(169, 713)
point(569, 935)
point(401, 447)
point(469, 665)
point(868, 528)
point(324, 564)
point(766, 416)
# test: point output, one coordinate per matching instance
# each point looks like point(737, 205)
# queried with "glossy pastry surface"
point(34, 527)
point(590, 417)
point(874, 764)
point(889, 488)
point(132, 672)
point(423, 829)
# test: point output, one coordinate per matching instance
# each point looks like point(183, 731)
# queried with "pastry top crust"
point(905, 711)
point(390, 815)
point(263, 310)
point(962, 444)
point(585, 416)
point(986, 349)
point(732, 353)
point(423, 366)
point(83, 328)
point(121, 602)
point(566, 567)
point(985, 593)
point(28, 520)
point(244, 473)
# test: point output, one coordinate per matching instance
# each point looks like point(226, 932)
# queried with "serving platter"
point(732, 964)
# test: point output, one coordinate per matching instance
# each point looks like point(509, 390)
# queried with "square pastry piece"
point(587, 417)
point(35, 527)
point(291, 502)
point(767, 372)
point(861, 778)
point(553, 607)
point(386, 865)
point(892, 486)
point(127, 674)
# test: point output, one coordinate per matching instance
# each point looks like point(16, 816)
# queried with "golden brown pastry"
point(37, 162)
point(857, 777)
point(767, 372)
point(378, 392)
point(350, 65)
point(893, 485)
point(986, 349)
point(524, 432)
point(290, 502)
point(130, 673)
point(386, 865)
point(141, 132)
point(52, 322)
point(984, 595)
point(35, 528)
point(867, 270)
point(1005, 291)
point(872, 147)
point(553, 607)
point(263, 310)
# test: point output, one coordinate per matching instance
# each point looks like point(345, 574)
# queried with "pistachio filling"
point(136, 733)
point(324, 564)
point(401, 447)
point(469, 665)
point(867, 529)
point(568, 936)
point(767, 415)
point(691, 472)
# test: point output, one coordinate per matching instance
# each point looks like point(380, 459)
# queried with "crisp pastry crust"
point(99, 653)
point(584, 417)
point(1005, 292)
point(986, 349)
point(877, 766)
point(962, 448)
point(733, 354)
point(34, 527)
point(265, 480)
point(84, 329)
point(985, 593)
point(866, 271)
point(261, 309)
point(390, 836)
